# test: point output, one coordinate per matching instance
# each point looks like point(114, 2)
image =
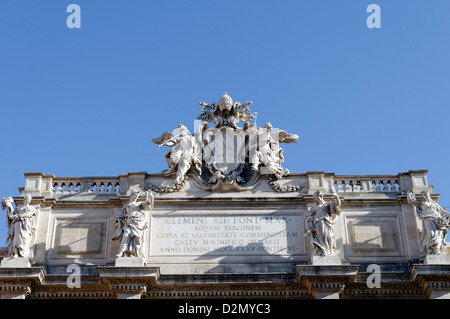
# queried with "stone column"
point(327, 281)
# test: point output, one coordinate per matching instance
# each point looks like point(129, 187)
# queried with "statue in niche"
point(21, 226)
point(131, 224)
point(319, 224)
point(184, 153)
point(435, 222)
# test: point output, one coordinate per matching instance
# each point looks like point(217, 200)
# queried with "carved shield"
point(224, 149)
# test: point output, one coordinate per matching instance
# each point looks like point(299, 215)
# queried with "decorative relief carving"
point(283, 188)
point(226, 156)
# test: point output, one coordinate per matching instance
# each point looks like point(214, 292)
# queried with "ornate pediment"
point(222, 154)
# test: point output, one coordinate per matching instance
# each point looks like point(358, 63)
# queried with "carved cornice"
point(20, 281)
point(128, 280)
point(147, 283)
point(327, 278)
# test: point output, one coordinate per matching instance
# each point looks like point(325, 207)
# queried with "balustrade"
point(71, 186)
point(353, 184)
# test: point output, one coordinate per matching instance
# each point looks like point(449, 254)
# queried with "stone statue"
point(225, 112)
point(265, 150)
point(435, 221)
point(319, 224)
point(184, 153)
point(225, 156)
point(21, 226)
point(131, 224)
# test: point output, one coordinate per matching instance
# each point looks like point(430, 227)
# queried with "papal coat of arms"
point(222, 154)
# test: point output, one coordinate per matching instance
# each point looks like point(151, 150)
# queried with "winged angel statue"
point(185, 152)
point(226, 153)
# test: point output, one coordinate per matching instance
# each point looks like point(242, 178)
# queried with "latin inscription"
point(226, 235)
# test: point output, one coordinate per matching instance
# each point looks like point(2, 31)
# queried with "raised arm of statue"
point(411, 198)
point(7, 204)
point(337, 199)
point(149, 203)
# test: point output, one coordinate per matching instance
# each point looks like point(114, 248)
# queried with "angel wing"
point(285, 137)
point(163, 138)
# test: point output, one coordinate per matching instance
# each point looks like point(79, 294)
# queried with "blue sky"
point(88, 101)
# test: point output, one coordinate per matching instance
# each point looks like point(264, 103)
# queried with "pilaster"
point(132, 180)
point(318, 180)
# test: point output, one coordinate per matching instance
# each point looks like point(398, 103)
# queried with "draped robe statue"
point(319, 224)
point(131, 224)
point(435, 222)
point(21, 226)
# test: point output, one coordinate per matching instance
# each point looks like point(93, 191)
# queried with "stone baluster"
point(95, 187)
point(356, 186)
point(386, 185)
point(102, 187)
point(74, 188)
point(58, 186)
point(339, 186)
point(90, 186)
point(348, 186)
point(391, 187)
point(113, 189)
point(397, 186)
point(378, 185)
point(110, 188)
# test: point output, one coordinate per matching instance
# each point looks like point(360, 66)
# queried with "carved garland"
point(167, 188)
point(272, 181)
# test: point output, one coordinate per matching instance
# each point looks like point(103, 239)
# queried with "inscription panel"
point(227, 235)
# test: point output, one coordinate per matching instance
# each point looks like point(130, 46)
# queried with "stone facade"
point(226, 220)
point(227, 243)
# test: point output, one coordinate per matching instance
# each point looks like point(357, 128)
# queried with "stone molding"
point(309, 282)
